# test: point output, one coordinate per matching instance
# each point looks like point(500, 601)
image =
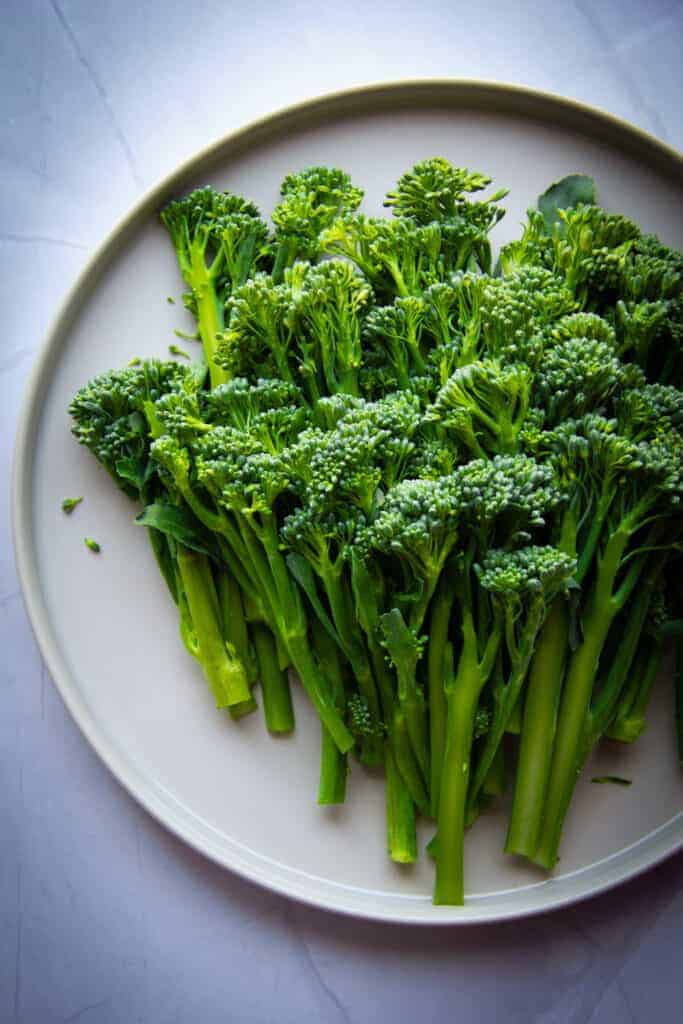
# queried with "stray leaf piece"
point(614, 779)
point(170, 300)
point(135, 361)
point(176, 351)
point(92, 545)
point(69, 504)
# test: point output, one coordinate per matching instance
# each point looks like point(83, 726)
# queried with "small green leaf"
point(131, 470)
point(178, 523)
point(614, 779)
point(404, 647)
point(170, 300)
point(69, 504)
point(135, 361)
point(92, 545)
point(565, 195)
point(165, 560)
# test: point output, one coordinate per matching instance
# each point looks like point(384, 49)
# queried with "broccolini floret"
point(218, 238)
point(484, 405)
point(311, 200)
point(436, 190)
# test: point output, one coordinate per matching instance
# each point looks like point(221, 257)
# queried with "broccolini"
point(441, 493)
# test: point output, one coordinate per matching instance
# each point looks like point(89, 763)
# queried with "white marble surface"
point(104, 917)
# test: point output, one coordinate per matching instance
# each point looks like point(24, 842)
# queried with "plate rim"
point(667, 839)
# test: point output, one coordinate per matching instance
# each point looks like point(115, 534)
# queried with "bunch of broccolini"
point(446, 495)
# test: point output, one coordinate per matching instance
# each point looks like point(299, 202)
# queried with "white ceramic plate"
point(108, 630)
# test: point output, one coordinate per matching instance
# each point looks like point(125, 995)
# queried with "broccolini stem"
point(283, 658)
point(348, 382)
point(416, 720)
point(406, 762)
point(256, 564)
point(165, 559)
point(496, 777)
point(419, 364)
point(384, 677)
point(653, 663)
point(333, 770)
point(400, 643)
point(629, 721)
point(333, 763)
point(585, 559)
point(439, 667)
point(238, 711)
point(236, 638)
point(318, 690)
point(602, 712)
point(239, 574)
point(418, 610)
point(224, 672)
point(404, 756)
point(277, 700)
point(366, 685)
point(575, 703)
point(287, 597)
point(401, 831)
point(538, 732)
point(402, 288)
point(281, 361)
point(187, 633)
point(462, 698)
point(234, 623)
point(285, 256)
point(236, 555)
point(505, 704)
point(514, 722)
point(209, 321)
point(341, 608)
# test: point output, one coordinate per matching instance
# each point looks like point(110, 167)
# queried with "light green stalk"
point(222, 668)
point(462, 696)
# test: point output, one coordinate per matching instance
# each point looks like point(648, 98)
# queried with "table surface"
point(104, 916)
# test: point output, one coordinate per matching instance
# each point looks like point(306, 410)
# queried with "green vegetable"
point(92, 545)
point(69, 504)
point(448, 498)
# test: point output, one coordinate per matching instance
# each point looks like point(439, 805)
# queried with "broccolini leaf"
point(565, 194)
point(614, 779)
point(178, 523)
